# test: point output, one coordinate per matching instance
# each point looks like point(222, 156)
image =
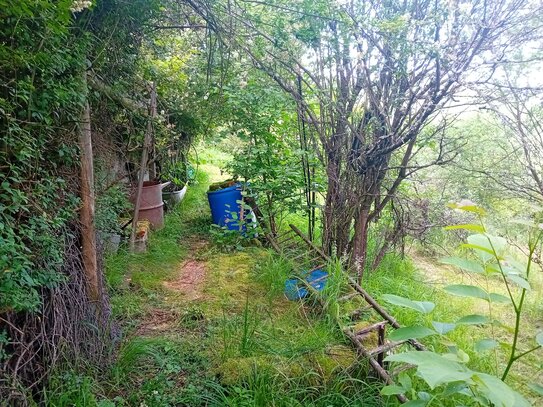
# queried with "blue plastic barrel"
point(222, 203)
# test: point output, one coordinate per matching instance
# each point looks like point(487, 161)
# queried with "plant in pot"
point(176, 172)
point(111, 205)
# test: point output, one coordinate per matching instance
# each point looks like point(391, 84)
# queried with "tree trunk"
point(360, 242)
point(88, 232)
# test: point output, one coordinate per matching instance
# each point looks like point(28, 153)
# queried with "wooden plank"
point(385, 347)
point(370, 300)
point(381, 372)
point(370, 328)
point(309, 242)
point(273, 243)
point(381, 342)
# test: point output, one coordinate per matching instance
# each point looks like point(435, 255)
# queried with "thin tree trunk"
point(360, 243)
point(88, 231)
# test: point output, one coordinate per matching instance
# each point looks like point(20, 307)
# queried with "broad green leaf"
point(424, 396)
point(517, 265)
point(473, 319)
point(392, 390)
point(468, 207)
point(485, 344)
point(453, 388)
point(405, 381)
point(539, 338)
point(481, 251)
point(464, 264)
point(434, 369)
point(486, 246)
point(495, 297)
point(492, 268)
point(493, 243)
point(467, 226)
point(518, 280)
point(457, 355)
point(463, 290)
point(443, 327)
point(421, 306)
point(411, 332)
point(536, 387)
point(497, 392)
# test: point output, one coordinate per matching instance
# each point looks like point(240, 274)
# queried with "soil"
point(190, 280)
point(191, 276)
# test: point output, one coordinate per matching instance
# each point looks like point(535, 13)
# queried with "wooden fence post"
point(88, 230)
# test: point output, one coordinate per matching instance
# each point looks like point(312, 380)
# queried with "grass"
point(423, 280)
point(241, 344)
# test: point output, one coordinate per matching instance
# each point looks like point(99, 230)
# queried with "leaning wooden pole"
point(88, 230)
point(143, 165)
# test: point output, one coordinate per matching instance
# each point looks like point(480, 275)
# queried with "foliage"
point(178, 172)
point(448, 374)
point(269, 159)
point(110, 206)
point(41, 93)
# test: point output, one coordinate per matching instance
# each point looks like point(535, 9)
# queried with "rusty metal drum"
point(151, 204)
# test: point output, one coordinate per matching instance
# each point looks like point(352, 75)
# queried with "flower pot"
point(173, 198)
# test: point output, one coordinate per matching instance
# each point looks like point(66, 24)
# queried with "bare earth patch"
point(189, 281)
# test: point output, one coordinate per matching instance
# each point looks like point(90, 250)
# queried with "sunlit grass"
point(424, 280)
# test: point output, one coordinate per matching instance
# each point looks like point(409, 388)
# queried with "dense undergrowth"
point(241, 343)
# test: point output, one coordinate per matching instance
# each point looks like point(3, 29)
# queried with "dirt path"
point(190, 278)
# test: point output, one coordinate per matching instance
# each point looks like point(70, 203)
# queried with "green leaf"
point(518, 280)
point(485, 344)
point(464, 264)
point(411, 332)
point(392, 390)
point(483, 253)
point(497, 392)
point(415, 403)
point(468, 207)
point(539, 338)
point(495, 297)
point(536, 387)
point(443, 327)
point(421, 306)
point(463, 290)
point(434, 369)
point(467, 226)
point(424, 396)
point(473, 319)
point(486, 246)
point(405, 381)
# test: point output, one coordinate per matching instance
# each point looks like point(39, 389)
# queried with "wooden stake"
point(143, 165)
